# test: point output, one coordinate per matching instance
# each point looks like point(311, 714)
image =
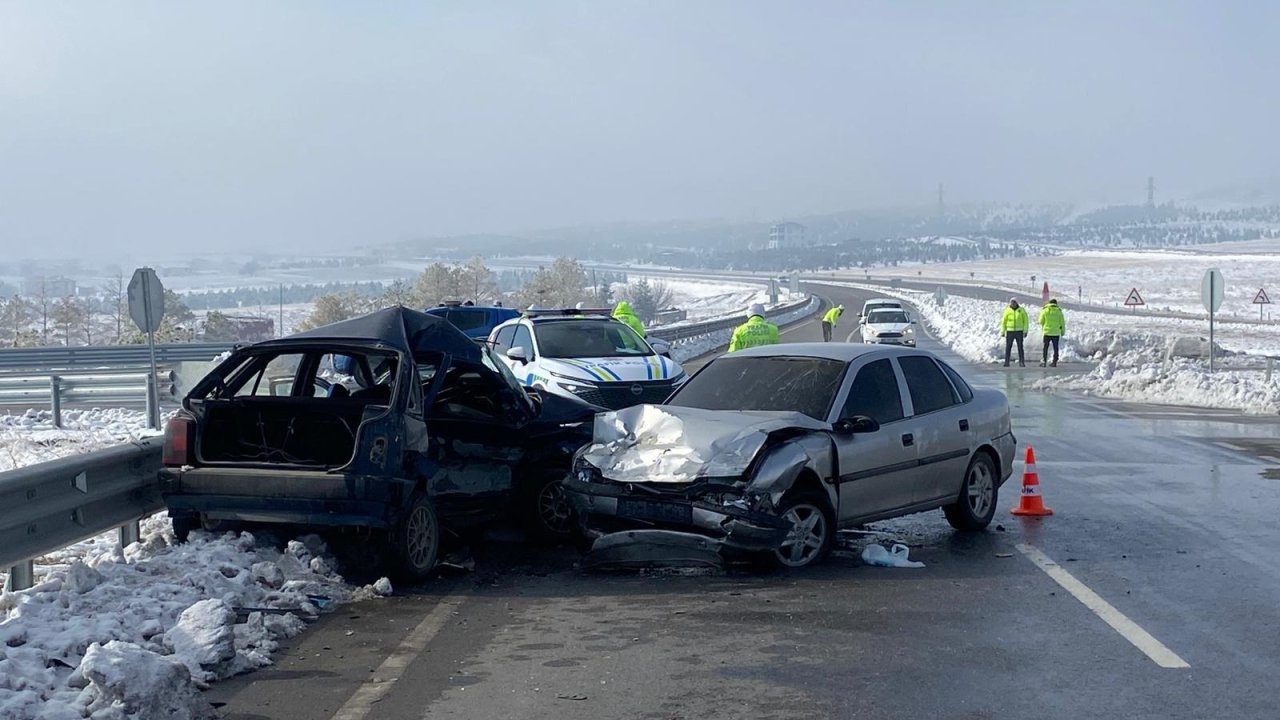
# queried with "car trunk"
point(314, 433)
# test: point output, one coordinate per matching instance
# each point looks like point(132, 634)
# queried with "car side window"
point(502, 341)
point(523, 339)
point(470, 319)
point(929, 387)
point(966, 392)
point(874, 394)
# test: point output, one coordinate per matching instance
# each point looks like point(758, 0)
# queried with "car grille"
point(889, 335)
point(616, 396)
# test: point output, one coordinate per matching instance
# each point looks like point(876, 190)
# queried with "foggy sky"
point(329, 124)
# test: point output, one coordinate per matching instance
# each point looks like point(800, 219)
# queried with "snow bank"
point(1132, 376)
point(133, 633)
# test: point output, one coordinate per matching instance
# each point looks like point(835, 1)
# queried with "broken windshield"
point(800, 384)
point(583, 338)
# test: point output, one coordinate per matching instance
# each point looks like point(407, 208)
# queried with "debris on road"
point(895, 557)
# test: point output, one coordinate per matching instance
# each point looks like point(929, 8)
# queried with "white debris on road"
point(213, 607)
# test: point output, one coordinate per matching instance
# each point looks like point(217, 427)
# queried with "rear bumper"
point(284, 496)
point(723, 528)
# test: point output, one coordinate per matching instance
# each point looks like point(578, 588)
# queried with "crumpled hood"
point(639, 368)
point(669, 444)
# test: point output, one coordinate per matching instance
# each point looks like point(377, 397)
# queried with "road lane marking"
point(361, 702)
point(1128, 629)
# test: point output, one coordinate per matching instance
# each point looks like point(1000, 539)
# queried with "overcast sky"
point(295, 124)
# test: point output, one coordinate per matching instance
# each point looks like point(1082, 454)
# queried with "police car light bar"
point(569, 311)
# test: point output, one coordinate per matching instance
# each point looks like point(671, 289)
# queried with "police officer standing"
point(1013, 327)
point(1053, 325)
point(755, 331)
point(829, 321)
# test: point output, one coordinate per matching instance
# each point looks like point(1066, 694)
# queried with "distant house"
point(786, 235)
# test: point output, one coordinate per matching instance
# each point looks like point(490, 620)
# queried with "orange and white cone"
point(1030, 503)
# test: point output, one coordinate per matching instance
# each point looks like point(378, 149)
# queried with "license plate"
point(655, 511)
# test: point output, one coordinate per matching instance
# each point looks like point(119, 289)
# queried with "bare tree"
point(117, 301)
point(437, 283)
point(399, 292)
point(43, 304)
point(476, 280)
point(68, 313)
point(15, 315)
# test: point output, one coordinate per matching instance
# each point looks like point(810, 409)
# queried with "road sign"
point(1134, 299)
point(146, 307)
point(1261, 299)
point(1044, 292)
point(940, 295)
point(1212, 290)
point(146, 300)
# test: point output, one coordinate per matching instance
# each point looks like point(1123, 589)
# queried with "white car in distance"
point(888, 326)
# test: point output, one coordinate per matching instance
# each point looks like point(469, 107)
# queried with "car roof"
point(875, 301)
point(396, 327)
point(844, 352)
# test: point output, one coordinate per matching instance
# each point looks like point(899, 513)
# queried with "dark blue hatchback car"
point(474, 321)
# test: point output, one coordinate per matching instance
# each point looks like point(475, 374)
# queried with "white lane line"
point(1128, 629)
point(1229, 446)
point(361, 702)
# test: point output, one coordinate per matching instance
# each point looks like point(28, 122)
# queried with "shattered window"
point(273, 377)
point(799, 384)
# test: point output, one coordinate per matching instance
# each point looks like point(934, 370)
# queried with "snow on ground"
point(689, 348)
point(1138, 359)
point(704, 300)
point(30, 437)
point(134, 633)
point(1167, 280)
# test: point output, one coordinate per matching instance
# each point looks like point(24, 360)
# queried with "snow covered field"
point(1167, 280)
point(705, 299)
point(30, 437)
point(689, 348)
point(1133, 359)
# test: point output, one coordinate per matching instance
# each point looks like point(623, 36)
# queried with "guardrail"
point(684, 332)
point(58, 390)
point(57, 503)
point(107, 356)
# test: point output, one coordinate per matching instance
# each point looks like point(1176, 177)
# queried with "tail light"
point(179, 445)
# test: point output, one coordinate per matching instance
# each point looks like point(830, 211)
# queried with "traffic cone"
point(1031, 503)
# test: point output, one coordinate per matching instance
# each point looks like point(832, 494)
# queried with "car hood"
point(615, 369)
point(889, 327)
point(669, 444)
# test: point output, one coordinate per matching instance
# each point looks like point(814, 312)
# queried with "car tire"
point(414, 540)
point(183, 525)
point(548, 514)
point(805, 547)
point(975, 506)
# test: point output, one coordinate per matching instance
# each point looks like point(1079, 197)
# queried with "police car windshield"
point(887, 316)
point(587, 338)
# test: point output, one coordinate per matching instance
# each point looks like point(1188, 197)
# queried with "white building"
point(786, 235)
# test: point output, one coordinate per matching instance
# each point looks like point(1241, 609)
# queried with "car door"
point(876, 469)
point(475, 430)
point(940, 426)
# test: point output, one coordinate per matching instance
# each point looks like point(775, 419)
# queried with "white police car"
point(588, 355)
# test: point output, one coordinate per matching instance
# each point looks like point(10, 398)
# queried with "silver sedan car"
point(770, 450)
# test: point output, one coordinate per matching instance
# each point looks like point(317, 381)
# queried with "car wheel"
point(976, 505)
point(812, 530)
point(549, 513)
point(415, 540)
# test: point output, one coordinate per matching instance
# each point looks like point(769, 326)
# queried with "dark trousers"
point(826, 331)
point(1044, 355)
point(1011, 337)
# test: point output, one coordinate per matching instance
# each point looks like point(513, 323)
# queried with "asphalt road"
point(1151, 593)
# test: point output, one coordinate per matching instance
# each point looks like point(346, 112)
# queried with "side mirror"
point(913, 322)
point(660, 346)
point(857, 425)
point(518, 354)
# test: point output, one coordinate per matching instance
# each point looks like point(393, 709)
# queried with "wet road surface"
point(1162, 549)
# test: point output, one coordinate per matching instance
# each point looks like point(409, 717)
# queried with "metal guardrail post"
point(130, 533)
point(1270, 362)
point(21, 576)
point(153, 403)
point(55, 400)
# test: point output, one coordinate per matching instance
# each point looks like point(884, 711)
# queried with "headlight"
point(727, 500)
point(873, 332)
point(909, 331)
point(573, 384)
point(585, 472)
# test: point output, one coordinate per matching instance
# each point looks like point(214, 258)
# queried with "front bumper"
point(724, 528)
point(282, 496)
point(907, 341)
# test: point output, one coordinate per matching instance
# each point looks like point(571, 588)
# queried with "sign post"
point(940, 295)
point(146, 307)
point(1260, 300)
point(1212, 290)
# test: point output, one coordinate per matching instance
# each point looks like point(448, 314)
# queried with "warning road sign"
point(1134, 299)
point(1261, 298)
